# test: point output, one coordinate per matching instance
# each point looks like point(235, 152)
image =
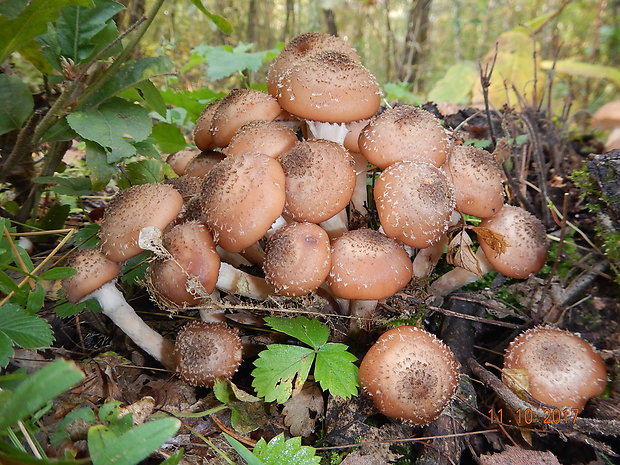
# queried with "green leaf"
point(6, 349)
point(17, 103)
point(32, 52)
point(221, 22)
point(168, 137)
point(224, 60)
point(100, 170)
point(243, 451)
point(589, 70)
point(113, 125)
point(131, 447)
point(456, 85)
point(31, 22)
point(336, 371)
point(280, 451)
point(35, 300)
point(311, 332)
point(144, 172)
point(59, 132)
point(129, 75)
point(280, 369)
point(12, 8)
point(60, 272)
point(76, 27)
point(151, 95)
point(25, 330)
point(38, 389)
point(191, 101)
point(55, 217)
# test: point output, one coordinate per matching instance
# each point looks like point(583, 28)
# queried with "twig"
point(485, 82)
point(475, 318)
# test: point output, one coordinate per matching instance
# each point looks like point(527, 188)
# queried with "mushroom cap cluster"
point(410, 375)
point(560, 368)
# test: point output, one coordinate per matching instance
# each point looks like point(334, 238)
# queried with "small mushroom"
point(267, 137)
point(202, 130)
point(95, 278)
point(204, 352)
point(410, 375)
point(608, 118)
point(178, 161)
point(558, 368)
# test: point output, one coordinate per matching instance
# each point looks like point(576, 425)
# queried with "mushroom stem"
point(426, 259)
point(254, 254)
point(238, 282)
point(362, 312)
point(359, 199)
point(116, 308)
point(335, 132)
point(233, 258)
point(459, 277)
point(336, 225)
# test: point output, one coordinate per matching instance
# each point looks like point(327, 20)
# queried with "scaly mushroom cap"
point(188, 186)
point(93, 268)
point(477, 180)
point(297, 259)
point(366, 265)
point(351, 140)
point(298, 48)
point(178, 161)
point(268, 137)
point(131, 210)
point(203, 162)
point(202, 130)
point(329, 87)
point(404, 132)
point(414, 201)
point(205, 352)
point(239, 107)
point(527, 244)
point(241, 198)
point(320, 178)
point(410, 375)
point(194, 257)
point(561, 369)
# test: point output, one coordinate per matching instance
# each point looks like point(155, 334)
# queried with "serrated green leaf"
point(131, 447)
point(38, 389)
point(311, 332)
point(113, 125)
point(59, 132)
point(336, 371)
point(17, 103)
point(6, 349)
point(100, 170)
point(151, 95)
point(168, 137)
point(27, 331)
point(456, 85)
point(278, 368)
point(60, 272)
point(280, 451)
point(144, 172)
point(221, 22)
point(31, 22)
point(35, 300)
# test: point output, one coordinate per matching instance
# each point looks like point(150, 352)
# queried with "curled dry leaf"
point(502, 150)
point(460, 253)
point(302, 410)
point(518, 456)
point(494, 239)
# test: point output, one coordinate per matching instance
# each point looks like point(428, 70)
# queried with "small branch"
point(485, 83)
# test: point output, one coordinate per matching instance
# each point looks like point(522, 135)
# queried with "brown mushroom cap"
point(194, 256)
point(562, 369)
point(298, 48)
point(320, 178)
point(93, 268)
point(414, 201)
point(366, 265)
point(202, 163)
point(268, 137)
point(527, 244)
point(205, 352)
point(178, 161)
point(239, 107)
point(202, 130)
point(329, 87)
point(131, 210)
point(241, 198)
point(410, 374)
point(477, 180)
point(351, 140)
point(607, 116)
point(297, 259)
point(405, 132)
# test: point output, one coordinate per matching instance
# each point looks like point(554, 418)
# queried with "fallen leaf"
point(518, 456)
point(303, 409)
point(460, 254)
point(493, 239)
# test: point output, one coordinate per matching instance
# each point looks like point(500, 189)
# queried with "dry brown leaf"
point(460, 253)
point(493, 239)
point(518, 456)
point(302, 410)
point(502, 150)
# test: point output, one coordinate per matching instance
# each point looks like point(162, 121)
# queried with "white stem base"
point(459, 277)
point(337, 225)
point(362, 311)
point(237, 282)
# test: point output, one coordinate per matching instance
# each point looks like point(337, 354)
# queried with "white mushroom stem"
point(214, 314)
point(362, 311)
point(278, 224)
point(459, 277)
point(254, 254)
point(359, 200)
point(335, 132)
point(336, 225)
point(426, 259)
point(233, 258)
point(116, 308)
point(234, 281)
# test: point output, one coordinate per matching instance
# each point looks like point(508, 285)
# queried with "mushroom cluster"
point(276, 179)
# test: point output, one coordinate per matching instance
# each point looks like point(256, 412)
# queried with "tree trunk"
point(330, 21)
point(415, 41)
point(289, 23)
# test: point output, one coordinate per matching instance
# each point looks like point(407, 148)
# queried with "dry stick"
point(20, 261)
point(514, 403)
point(485, 82)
